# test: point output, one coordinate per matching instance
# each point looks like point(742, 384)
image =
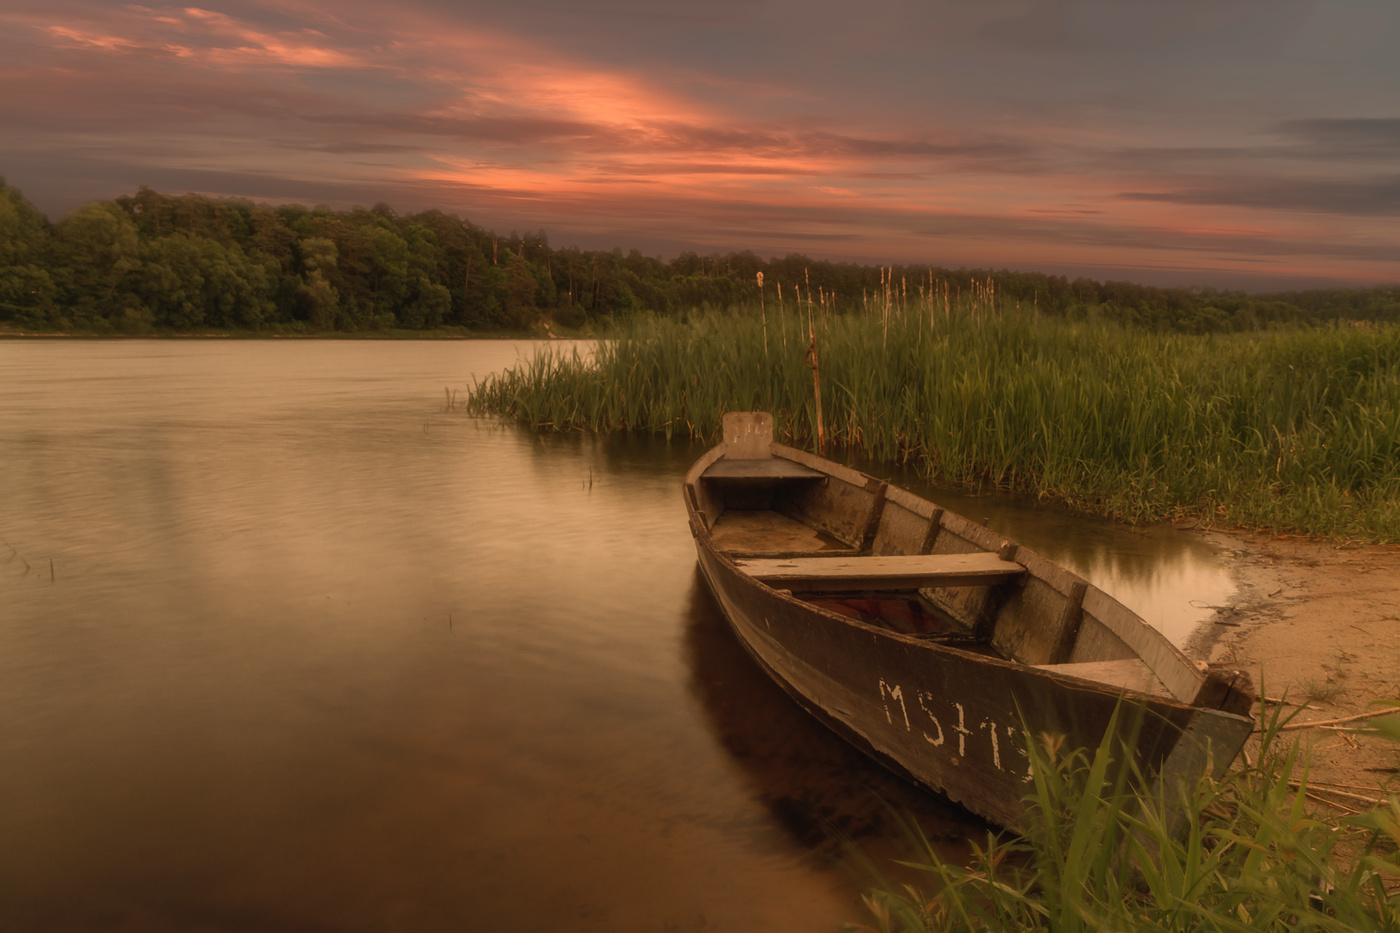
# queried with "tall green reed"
point(1290, 430)
point(1100, 855)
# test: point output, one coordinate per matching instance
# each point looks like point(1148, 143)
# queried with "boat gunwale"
point(701, 532)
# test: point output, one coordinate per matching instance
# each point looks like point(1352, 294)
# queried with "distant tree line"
point(155, 262)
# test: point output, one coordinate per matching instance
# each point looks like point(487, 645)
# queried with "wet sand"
point(1317, 623)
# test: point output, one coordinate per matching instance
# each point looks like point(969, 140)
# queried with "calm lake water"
point(285, 645)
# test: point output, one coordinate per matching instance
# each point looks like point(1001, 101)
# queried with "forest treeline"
point(155, 262)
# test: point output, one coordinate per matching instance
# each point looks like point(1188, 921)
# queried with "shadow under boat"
point(823, 791)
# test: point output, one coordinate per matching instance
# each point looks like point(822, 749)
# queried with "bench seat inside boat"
point(896, 572)
point(767, 468)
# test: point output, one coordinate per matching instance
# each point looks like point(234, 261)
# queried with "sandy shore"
point(1318, 624)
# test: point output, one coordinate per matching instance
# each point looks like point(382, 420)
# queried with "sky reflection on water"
point(316, 653)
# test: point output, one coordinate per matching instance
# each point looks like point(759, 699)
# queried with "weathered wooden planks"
point(747, 434)
point(766, 531)
point(769, 468)
point(1182, 677)
point(1125, 674)
point(908, 571)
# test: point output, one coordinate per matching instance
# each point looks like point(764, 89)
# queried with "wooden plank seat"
point(767, 468)
point(895, 572)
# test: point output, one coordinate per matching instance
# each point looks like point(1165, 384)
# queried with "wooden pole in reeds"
point(816, 371)
point(764, 311)
point(782, 316)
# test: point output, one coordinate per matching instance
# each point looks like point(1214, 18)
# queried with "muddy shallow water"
point(286, 645)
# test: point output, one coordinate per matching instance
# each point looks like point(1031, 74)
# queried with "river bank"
point(1317, 623)
point(8, 332)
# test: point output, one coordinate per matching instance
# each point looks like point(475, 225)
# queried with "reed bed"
point(1100, 856)
point(1293, 430)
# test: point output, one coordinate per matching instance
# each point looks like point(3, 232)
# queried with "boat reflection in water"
point(822, 790)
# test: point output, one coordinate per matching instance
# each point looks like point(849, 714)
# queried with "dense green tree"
point(170, 282)
point(521, 288)
point(319, 302)
point(186, 282)
point(98, 260)
point(27, 289)
point(426, 303)
point(151, 260)
point(388, 272)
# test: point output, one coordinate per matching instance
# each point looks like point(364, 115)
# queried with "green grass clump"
point(1285, 430)
point(1100, 856)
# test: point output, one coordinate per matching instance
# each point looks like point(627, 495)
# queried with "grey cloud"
point(995, 151)
point(1043, 26)
point(1115, 26)
point(979, 154)
point(516, 130)
point(358, 148)
point(1335, 146)
point(695, 168)
point(1178, 158)
point(737, 218)
point(581, 136)
point(1105, 236)
point(805, 236)
point(1347, 136)
point(1370, 197)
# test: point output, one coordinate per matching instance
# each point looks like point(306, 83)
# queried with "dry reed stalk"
point(763, 310)
point(782, 315)
point(1311, 788)
point(815, 365)
point(1336, 722)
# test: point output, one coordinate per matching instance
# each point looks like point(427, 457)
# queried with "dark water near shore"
point(286, 646)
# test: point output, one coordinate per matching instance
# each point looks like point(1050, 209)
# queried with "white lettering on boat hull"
point(894, 693)
point(1000, 739)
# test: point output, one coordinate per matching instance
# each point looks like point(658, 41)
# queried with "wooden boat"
point(933, 643)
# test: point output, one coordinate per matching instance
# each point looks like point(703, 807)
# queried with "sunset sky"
point(1218, 142)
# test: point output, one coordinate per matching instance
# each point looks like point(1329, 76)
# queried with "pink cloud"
point(90, 39)
point(211, 38)
point(480, 118)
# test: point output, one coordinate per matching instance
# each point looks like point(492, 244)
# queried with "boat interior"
point(864, 549)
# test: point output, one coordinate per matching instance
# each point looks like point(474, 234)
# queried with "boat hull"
point(952, 720)
point(955, 719)
point(1017, 647)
